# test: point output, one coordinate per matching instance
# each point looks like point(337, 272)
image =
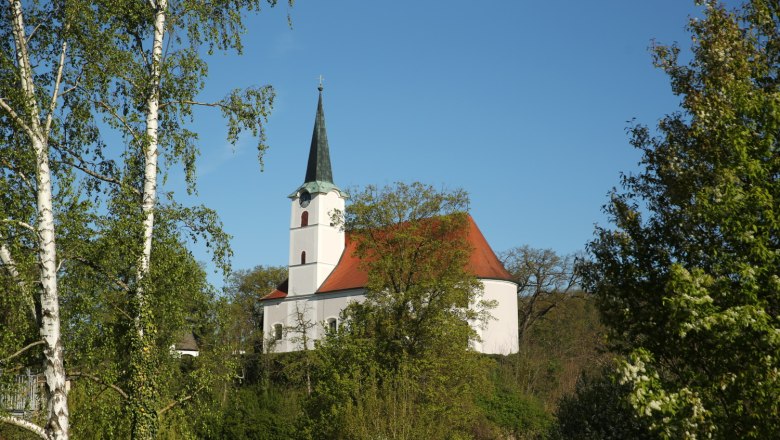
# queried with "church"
point(324, 275)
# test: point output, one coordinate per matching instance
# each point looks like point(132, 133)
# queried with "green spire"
point(318, 169)
point(319, 177)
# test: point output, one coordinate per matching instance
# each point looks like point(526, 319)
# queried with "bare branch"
point(30, 426)
point(26, 347)
point(77, 374)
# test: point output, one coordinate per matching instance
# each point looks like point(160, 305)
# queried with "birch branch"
point(21, 174)
point(27, 347)
point(56, 89)
point(20, 223)
point(77, 374)
point(173, 404)
point(200, 103)
point(25, 69)
point(121, 284)
point(113, 113)
point(83, 168)
point(15, 116)
point(10, 264)
point(32, 427)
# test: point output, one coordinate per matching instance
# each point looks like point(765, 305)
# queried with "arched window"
point(332, 326)
point(305, 218)
point(277, 332)
point(303, 257)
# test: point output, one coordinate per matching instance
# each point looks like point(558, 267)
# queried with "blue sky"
point(522, 103)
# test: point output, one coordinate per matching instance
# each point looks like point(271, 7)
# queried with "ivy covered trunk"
point(144, 389)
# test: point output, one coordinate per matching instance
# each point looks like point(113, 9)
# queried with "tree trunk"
point(144, 389)
point(54, 371)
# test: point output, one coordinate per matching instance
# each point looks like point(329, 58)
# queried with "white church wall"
point(331, 304)
point(499, 334)
point(319, 308)
point(322, 243)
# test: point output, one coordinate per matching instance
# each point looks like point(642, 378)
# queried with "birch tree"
point(150, 98)
point(34, 80)
point(68, 65)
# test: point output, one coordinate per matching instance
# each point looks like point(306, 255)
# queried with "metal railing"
point(21, 395)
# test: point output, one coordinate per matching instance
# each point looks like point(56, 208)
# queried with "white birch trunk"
point(57, 426)
point(150, 157)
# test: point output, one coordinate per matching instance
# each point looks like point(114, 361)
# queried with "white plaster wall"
point(499, 334)
point(322, 243)
point(319, 308)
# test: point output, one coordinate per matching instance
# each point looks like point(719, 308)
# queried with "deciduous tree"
point(544, 279)
point(70, 66)
point(687, 280)
point(405, 349)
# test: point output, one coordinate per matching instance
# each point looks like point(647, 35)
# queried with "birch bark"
point(143, 394)
point(57, 403)
point(150, 151)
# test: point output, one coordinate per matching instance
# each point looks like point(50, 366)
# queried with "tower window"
point(305, 218)
point(332, 326)
point(277, 332)
point(303, 257)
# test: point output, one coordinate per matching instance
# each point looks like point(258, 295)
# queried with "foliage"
point(252, 413)
point(244, 331)
point(405, 349)
point(598, 409)
point(558, 348)
point(411, 239)
point(517, 415)
point(687, 282)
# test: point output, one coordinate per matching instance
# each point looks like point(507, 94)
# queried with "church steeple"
point(319, 176)
point(318, 168)
point(316, 241)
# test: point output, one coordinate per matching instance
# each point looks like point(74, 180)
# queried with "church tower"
point(316, 244)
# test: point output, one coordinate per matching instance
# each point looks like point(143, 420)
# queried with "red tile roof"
point(349, 275)
point(280, 292)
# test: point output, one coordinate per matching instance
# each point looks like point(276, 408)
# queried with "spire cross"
point(320, 87)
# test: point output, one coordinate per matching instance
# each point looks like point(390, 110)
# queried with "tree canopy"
point(687, 280)
point(405, 348)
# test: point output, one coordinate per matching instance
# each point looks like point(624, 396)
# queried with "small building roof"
point(187, 342)
point(348, 273)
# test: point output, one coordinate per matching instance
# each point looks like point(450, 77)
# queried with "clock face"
point(304, 199)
